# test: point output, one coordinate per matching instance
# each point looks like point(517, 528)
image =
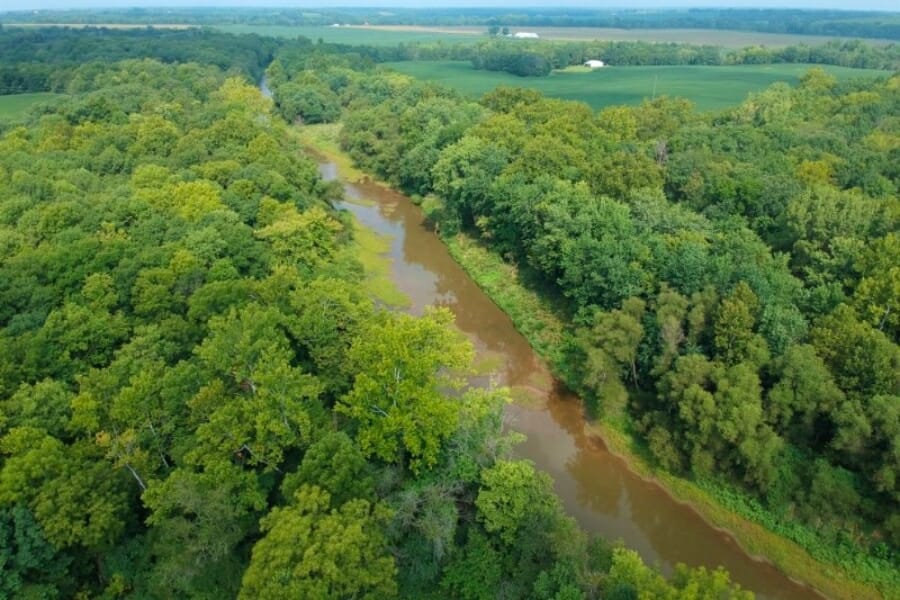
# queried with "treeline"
point(539, 58)
point(731, 280)
point(525, 58)
point(197, 398)
point(40, 60)
point(843, 23)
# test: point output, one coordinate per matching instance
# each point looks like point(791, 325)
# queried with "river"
point(597, 488)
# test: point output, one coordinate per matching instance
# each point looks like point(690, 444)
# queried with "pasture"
point(709, 87)
point(14, 106)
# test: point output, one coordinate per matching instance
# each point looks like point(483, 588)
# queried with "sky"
point(891, 5)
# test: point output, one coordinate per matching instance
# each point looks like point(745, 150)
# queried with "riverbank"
point(536, 319)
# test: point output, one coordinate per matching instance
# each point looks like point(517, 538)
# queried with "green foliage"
point(629, 577)
point(197, 521)
point(610, 349)
point(308, 101)
point(758, 243)
point(29, 566)
point(403, 366)
point(74, 497)
point(477, 573)
point(183, 331)
point(511, 495)
point(338, 467)
point(152, 388)
point(311, 552)
point(29, 52)
point(805, 394)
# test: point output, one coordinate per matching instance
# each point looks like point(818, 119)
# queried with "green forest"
point(198, 398)
point(731, 278)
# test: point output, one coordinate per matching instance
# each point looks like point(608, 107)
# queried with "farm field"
point(709, 87)
point(358, 35)
point(714, 37)
point(14, 106)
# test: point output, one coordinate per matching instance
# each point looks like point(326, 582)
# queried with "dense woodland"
point(732, 278)
point(197, 399)
point(42, 60)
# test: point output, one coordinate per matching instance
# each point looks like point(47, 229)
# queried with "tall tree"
point(404, 369)
point(311, 551)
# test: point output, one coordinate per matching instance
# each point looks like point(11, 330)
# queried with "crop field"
point(708, 87)
point(369, 36)
point(714, 37)
point(14, 106)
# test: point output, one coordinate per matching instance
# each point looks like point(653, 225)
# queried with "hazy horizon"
point(874, 5)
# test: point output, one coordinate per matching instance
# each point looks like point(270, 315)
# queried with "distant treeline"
point(38, 60)
point(862, 24)
point(540, 58)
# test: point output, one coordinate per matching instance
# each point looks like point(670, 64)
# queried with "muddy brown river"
point(597, 488)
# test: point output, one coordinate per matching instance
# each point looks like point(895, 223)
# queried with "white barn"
point(525, 35)
point(594, 64)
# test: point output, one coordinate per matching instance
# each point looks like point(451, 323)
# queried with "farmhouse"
point(525, 35)
point(594, 64)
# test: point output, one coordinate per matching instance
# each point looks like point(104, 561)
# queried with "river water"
point(596, 487)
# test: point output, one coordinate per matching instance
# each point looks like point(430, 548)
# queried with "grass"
point(533, 316)
point(840, 574)
point(708, 87)
point(743, 517)
point(359, 36)
point(371, 252)
point(371, 248)
point(15, 106)
point(324, 140)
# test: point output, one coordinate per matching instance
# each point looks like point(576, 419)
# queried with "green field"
point(709, 88)
point(15, 105)
point(354, 35)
